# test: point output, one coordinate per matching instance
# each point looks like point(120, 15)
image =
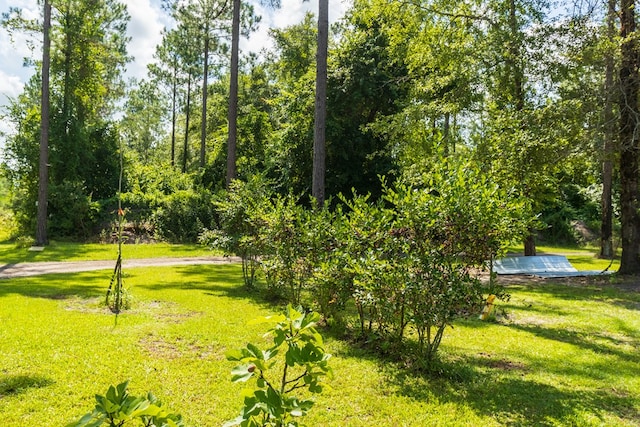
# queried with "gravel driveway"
point(25, 269)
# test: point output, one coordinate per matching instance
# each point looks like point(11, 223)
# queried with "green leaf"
point(122, 388)
point(255, 351)
point(267, 319)
point(111, 394)
point(234, 355)
point(243, 373)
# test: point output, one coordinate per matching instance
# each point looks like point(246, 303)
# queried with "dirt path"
point(25, 269)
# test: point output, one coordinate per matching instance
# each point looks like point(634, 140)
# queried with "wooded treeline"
point(542, 100)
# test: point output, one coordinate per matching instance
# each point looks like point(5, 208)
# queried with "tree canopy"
point(543, 101)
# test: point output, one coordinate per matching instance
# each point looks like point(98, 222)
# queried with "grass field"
point(558, 354)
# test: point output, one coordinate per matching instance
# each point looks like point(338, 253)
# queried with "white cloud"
point(145, 29)
point(10, 85)
point(291, 12)
point(13, 51)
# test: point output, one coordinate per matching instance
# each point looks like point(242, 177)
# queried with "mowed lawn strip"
point(555, 355)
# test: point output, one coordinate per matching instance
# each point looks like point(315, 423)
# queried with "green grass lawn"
point(62, 251)
point(557, 355)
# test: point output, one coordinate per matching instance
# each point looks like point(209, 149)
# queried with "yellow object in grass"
point(488, 307)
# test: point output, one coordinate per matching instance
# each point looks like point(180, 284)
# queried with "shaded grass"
point(556, 355)
point(64, 251)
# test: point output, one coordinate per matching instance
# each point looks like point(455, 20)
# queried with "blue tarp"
point(541, 265)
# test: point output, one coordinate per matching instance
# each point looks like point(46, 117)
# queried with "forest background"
point(530, 95)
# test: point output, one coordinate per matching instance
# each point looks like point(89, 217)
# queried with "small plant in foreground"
point(272, 402)
point(118, 409)
point(117, 297)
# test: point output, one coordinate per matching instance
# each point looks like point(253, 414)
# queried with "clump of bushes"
point(406, 262)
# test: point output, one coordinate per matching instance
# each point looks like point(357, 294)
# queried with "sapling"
point(116, 298)
point(275, 401)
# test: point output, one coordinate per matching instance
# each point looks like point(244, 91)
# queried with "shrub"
point(183, 215)
point(117, 408)
point(407, 261)
point(240, 216)
point(417, 252)
point(273, 402)
point(72, 212)
point(285, 260)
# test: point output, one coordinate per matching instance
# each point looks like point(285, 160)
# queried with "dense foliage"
point(408, 262)
point(411, 86)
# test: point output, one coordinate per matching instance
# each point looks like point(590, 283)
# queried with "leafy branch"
point(305, 365)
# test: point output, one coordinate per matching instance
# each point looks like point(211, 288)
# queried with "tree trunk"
point(43, 183)
point(186, 126)
point(530, 245)
point(203, 125)
point(66, 100)
point(606, 226)
point(517, 76)
point(445, 133)
point(233, 94)
point(319, 142)
point(173, 117)
point(629, 142)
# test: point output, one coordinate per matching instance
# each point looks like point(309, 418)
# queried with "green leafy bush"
point(240, 216)
point(408, 262)
point(72, 213)
point(414, 254)
point(118, 409)
point(304, 364)
point(285, 260)
point(183, 215)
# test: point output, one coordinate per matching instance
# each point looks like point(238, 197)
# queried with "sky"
point(145, 28)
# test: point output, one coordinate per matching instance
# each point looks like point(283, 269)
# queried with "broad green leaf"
point(255, 351)
point(234, 355)
point(235, 422)
point(242, 373)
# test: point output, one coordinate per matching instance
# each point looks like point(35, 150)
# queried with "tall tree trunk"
point(186, 126)
point(66, 100)
point(606, 226)
point(319, 142)
point(203, 125)
point(233, 94)
point(530, 244)
point(629, 142)
point(174, 93)
point(517, 75)
point(43, 183)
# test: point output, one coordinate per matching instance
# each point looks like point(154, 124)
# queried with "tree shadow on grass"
point(510, 392)
point(594, 341)
point(502, 391)
point(225, 280)
point(580, 289)
point(17, 384)
point(56, 286)
point(55, 251)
